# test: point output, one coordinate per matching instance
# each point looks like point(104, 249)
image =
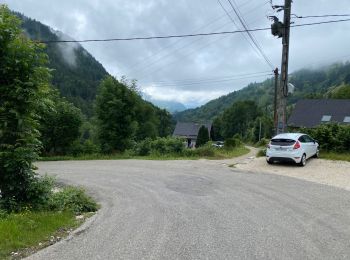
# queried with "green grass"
point(24, 230)
point(335, 156)
point(227, 154)
point(215, 155)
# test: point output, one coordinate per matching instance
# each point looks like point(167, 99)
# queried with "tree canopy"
point(24, 81)
point(124, 117)
point(203, 136)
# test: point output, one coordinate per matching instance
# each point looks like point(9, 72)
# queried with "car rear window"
point(282, 142)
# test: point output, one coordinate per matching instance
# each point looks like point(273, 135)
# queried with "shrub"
point(203, 136)
point(143, 148)
point(160, 145)
point(262, 142)
point(331, 137)
point(205, 151)
point(83, 148)
point(37, 194)
point(40, 192)
point(73, 199)
point(233, 142)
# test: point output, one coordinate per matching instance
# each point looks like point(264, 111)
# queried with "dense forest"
point(75, 72)
point(327, 82)
point(73, 119)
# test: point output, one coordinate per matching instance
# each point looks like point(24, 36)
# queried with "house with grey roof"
point(314, 112)
point(189, 131)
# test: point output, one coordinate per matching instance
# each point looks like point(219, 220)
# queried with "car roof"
point(288, 136)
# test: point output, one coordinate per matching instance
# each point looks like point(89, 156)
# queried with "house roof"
point(189, 130)
point(313, 112)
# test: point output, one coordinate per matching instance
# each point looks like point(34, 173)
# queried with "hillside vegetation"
point(75, 72)
point(327, 82)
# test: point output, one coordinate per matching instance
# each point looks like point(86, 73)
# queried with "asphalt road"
point(202, 210)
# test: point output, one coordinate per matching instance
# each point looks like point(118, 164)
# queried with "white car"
point(291, 147)
point(219, 144)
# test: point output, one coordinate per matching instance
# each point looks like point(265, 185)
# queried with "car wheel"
point(303, 160)
point(269, 161)
point(317, 154)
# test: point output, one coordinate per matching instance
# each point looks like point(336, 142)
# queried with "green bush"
point(83, 148)
point(143, 148)
point(262, 142)
point(160, 145)
point(35, 198)
point(72, 199)
point(206, 150)
point(233, 142)
point(331, 137)
point(203, 136)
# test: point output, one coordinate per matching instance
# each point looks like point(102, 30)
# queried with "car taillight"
point(297, 145)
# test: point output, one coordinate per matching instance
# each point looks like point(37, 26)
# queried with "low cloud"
point(68, 50)
point(189, 97)
point(169, 60)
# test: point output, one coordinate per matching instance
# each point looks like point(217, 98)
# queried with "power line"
point(234, 22)
point(162, 57)
point(185, 35)
point(190, 80)
point(150, 64)
point(320, 16)
point(207, 82)
point(241, 19)
point(144, 60)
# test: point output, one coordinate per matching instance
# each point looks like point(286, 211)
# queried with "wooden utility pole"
point(275, 101)
point(283, 88)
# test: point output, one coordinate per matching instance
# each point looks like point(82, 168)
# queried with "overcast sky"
point(192, 70)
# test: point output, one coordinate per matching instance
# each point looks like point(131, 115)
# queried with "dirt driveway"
point(334, 173)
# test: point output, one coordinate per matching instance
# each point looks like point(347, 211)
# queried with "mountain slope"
point(76, 73)
point(317, 83)
point(171, 106)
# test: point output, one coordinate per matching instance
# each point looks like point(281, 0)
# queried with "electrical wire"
point(320, 16)
point(234, 22)
point(144, 60)
point(255, 42)
point(159, 59)
point(190, 80)
point(206, 82)
point(185, 35)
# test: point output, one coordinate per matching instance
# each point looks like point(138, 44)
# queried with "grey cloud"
point(197, 58)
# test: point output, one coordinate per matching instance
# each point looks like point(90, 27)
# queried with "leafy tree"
point(203, 136)
point(116, 114)
point(166, 125)
point(147, 120)
point(23, 84)
point(59, 125)
point(239, 118)
point(266, 128)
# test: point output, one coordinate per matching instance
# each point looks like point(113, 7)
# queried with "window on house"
point(347, 119)
point(326, 118)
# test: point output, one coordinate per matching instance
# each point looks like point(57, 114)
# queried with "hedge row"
point(331, 137)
